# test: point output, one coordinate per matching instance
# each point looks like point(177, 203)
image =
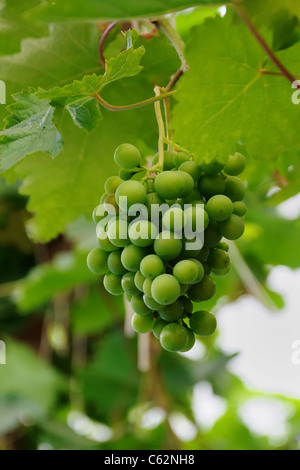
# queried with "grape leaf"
point(33, 131)
point(235, 101)
point(62, 189)
point(14, 27)
point(79, 10)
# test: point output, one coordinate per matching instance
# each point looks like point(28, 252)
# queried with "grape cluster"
point(155, 264)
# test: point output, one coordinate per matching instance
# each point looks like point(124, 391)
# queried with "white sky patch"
point(266, 417)
point(264, 339)
point(207, 406)
point(197, 352)
point(222, 10)
point(290, 209)
point(182, 427)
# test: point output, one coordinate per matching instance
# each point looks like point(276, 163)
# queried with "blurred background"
point(76, 376)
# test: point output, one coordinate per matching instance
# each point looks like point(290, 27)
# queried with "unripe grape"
point(134, 191)
point(125, 174)
point(142, 233)
point(128, 284)
point(196, 219)
point(191, 341)
point(138, 306)
point(117, 232)
point(185, 271)
point(104, 242)
point(219, 207)
point(112, 184)
point(192, 168)
point(235, 165)
point(212, 167)
point(172, 312)
point(110, 204)
point(232, 228)
point(168, 160)
point(174, 337)
point(204, 290)
point(139, 280)
point(103, 197)
point(223, 246)
point(218, 259)
point(170, 184)
point(212, 234)
point(202, 256)
point(234, 188)
point(203, 323)
point(209, 185)
point(132, 256)
point(180, 157)
point(151, 266)
point(97, 261)
point(114, 263)
point(165, 289)
point(158, 326)
point(151, 303)
point(112, 284)
point(193, 197)
point(127, 156)
point(173, 219)
point(99, 213)
point(153, 198)
point(142, 324)
point(187, 305)
point(200, 270)
point(188, 183)
point(147, 287)
point(167, 245)
point(239, 208)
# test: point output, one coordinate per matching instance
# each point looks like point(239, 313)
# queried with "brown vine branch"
point(103, 39)
point(250, 25)
point(112, 107)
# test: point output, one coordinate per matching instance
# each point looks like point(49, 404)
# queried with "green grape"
point(183, 288)
point(234, 188)
point(212, 234)
point(142, 324)
point(103, 240)
point(219, 207)
point(193, 197)
point(204, 290)
point(165, 289)
point(117, 232)
point(239, 208)
point(153, 198)
point(147, 287)
point(158, 326)
point(135, 193)
point(167, 245)
point(170, 184)
point(187, 305)
point(180, 157)
point(127, 156)
point(132, 256)
point(218, 259)
point(99, 213)
point(202, 256)
point(112, 183)
point(125, 174)
point(142, 233)
point(151, 266)
point(151, 303)
point(174, 337)
point(203, 323)
point(185, 271)
point(112, 283)
point(200, 270)
point(114, 263)
point(222, 272)
point(191, 246)
point(192, 168)
point(191, 340)
point(232, 228)
point(235, 165)
point(139, 280)
point(97, 261)
point(207, 269)
point(223, 246)
point(128, 284)
point(188, 182)
point(128, 297)
point(103, 197)
point(212, 167)
point(173, 219)
point(209, 185)
point(168, 160)
point(139, 175)
point(110, 204)
point(172, 312)
point(138, 306)
point(196, 219)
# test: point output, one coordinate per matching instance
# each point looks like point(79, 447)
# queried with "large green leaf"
point(224, 98)
point(66, 10)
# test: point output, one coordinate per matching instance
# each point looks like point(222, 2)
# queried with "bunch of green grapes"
point(155, 265)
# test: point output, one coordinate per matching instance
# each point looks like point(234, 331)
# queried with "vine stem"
point(151, 100)
point(250, 25)
point(161, 129)
point(103, 39)
point(165, 26)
